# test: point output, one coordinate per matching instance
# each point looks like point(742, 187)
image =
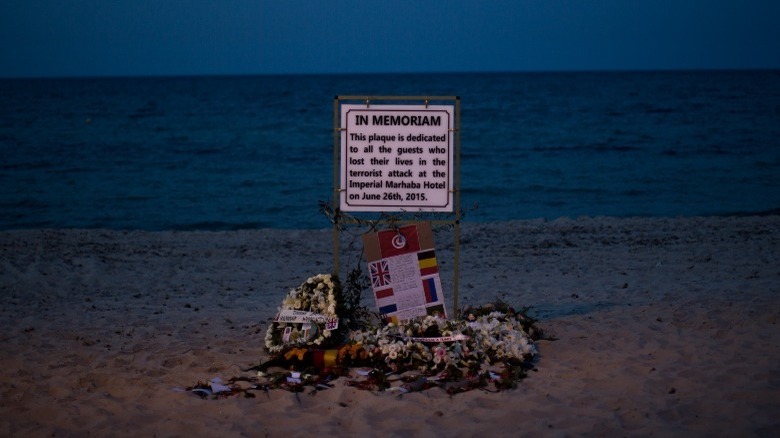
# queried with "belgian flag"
point(427, 260)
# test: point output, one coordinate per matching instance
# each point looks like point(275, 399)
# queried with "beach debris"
point(217, 386)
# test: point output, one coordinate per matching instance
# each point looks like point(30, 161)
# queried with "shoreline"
point(661, 326)
point(465, 220)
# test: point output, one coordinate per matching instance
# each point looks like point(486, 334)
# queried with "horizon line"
point(389, 73)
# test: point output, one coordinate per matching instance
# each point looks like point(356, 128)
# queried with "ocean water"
point(221, 153)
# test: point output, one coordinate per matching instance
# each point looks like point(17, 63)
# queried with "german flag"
point(427, 261)
point(325, 358)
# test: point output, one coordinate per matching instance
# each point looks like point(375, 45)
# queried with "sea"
point(249, 152)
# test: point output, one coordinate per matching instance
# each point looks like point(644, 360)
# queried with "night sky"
point(206, 37)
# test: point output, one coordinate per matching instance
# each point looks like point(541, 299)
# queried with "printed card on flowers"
point(404, 272)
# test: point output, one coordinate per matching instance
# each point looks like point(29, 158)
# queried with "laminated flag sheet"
point(404, 272)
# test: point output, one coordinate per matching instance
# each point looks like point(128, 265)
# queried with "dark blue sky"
point(173, 37)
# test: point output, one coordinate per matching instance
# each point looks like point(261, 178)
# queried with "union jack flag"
point(380, 273)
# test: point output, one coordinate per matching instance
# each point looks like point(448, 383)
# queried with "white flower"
point(316, 294)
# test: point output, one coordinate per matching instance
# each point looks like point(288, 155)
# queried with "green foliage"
point(353, 314)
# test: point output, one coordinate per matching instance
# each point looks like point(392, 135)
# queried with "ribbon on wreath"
point(436, 339)
point(303, 317)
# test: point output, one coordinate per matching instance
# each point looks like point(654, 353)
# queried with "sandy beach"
point(656, 327)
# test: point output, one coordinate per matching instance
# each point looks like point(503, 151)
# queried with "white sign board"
point(397, 158)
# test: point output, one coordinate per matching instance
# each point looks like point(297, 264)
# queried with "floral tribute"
point(315, 304)
point(431, 345)
point(489, 347)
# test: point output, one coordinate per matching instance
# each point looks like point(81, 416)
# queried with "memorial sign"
point(397, 158)
point(404, 272)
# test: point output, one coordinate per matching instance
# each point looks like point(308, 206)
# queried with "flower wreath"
point(486, 335)
point(307, 315)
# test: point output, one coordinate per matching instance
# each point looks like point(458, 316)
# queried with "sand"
point(665, 327)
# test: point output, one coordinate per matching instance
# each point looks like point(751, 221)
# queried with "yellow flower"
point(295, 352)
